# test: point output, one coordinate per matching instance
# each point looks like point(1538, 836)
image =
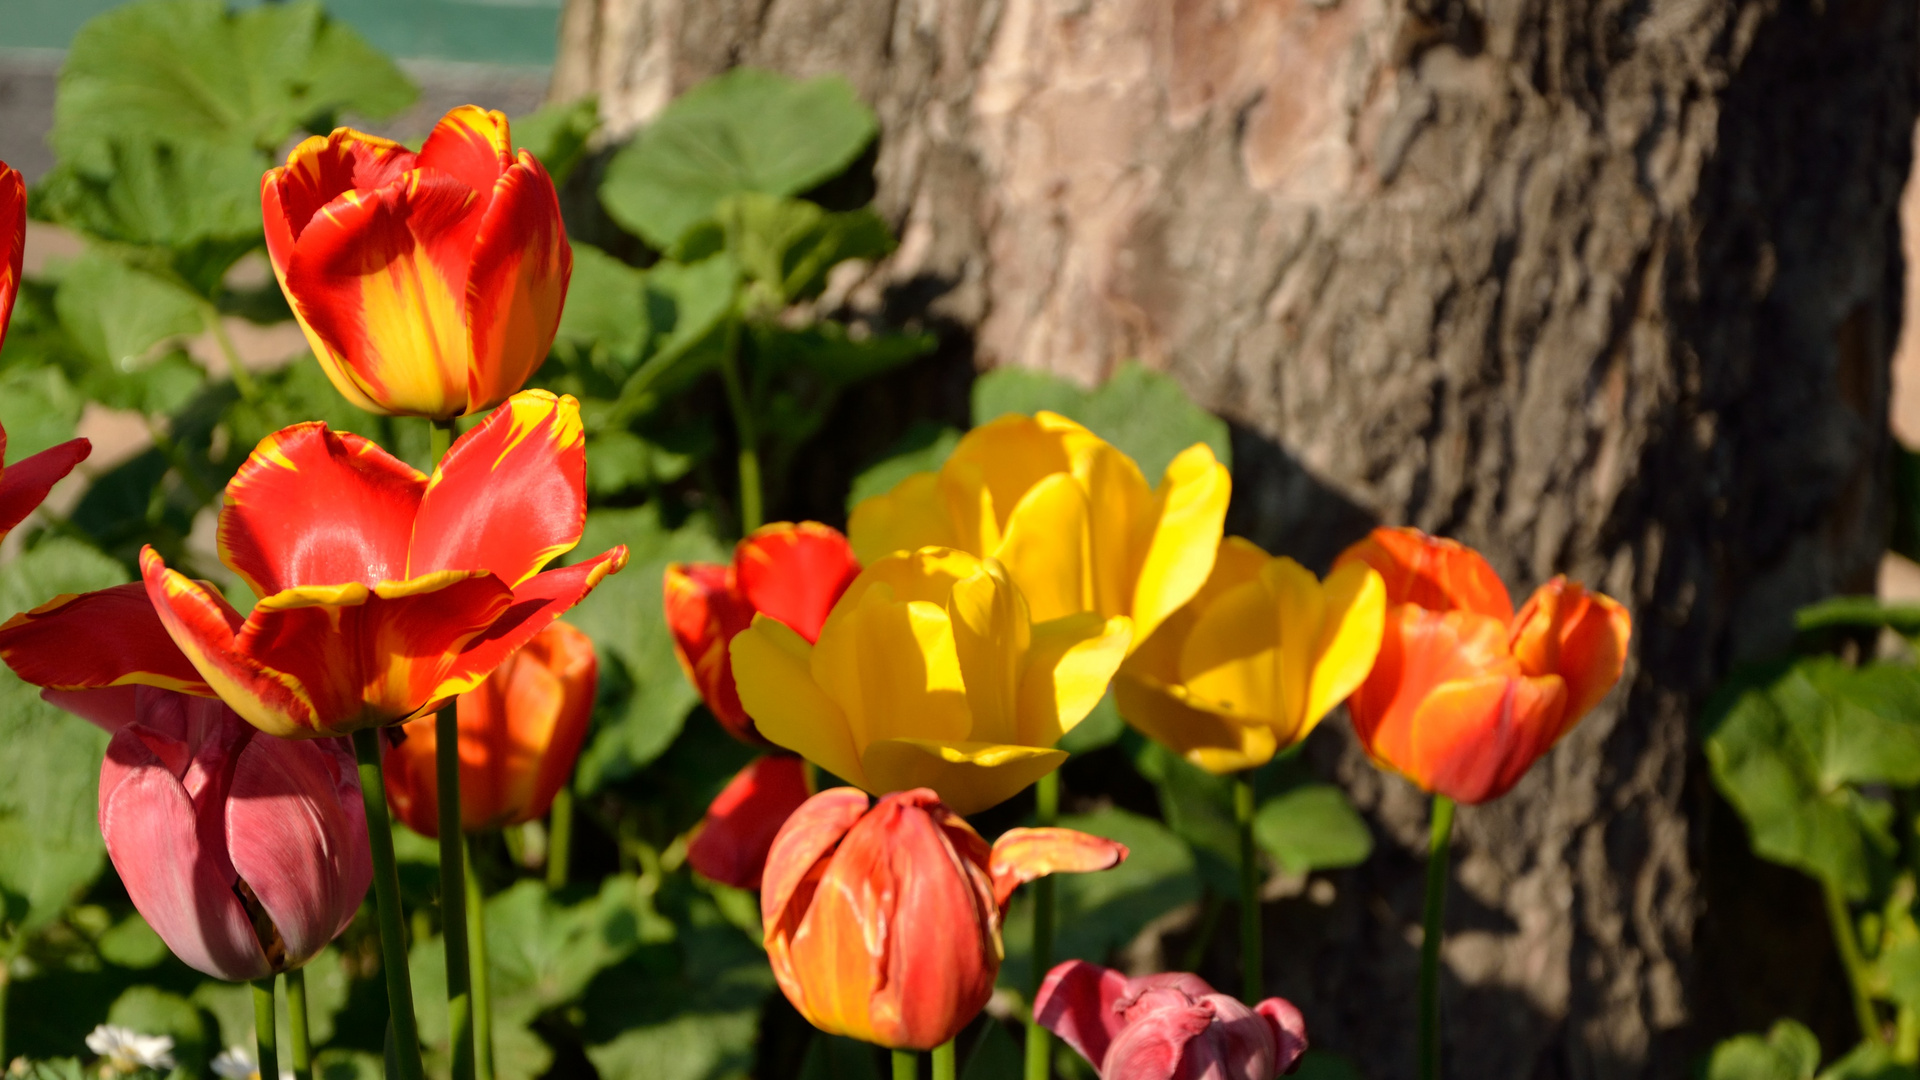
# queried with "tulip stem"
point(1046, 810)
point(386, 894)
point(1252, 971)
point(560, 837)
point(482, 991)
point(906, 1065)
point(236, 369)
point(1438, 849)
point(1857, 972)
point(263, 1030)
point(453, 889)
point(745, 432)
point(299, 1044)
point(943, 1064)
point(440, 440)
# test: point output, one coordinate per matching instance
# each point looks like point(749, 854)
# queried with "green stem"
point(1212, 904)
point(482, 989)
point(1437, 852)
point(386, 894)
point(439, 440)
point(943, 1066)
point(1252, 971)
point(745, 431)
point(237, 371)
point(263, 1032)
point(560, 837)
point(906, 1065)
point(1850, 958)
point(453, 890)
point(6, 976)
point(1046, 810)
point(300, 1044)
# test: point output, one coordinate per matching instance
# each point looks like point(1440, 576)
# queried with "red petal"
point(318, 171)
point(13, 244)
point(1289, 1032)
point(1021, 855)
point(517, 285)
point(810, 834)
point(511, 494)
point(704, 612)
point(88, 640)
point(318, 507)
point(1434, 573)
point(470, 144)
point(109, 708)
point(1077, 1003)
point(564, 653)
point(1420, 651)
point(794, 573)
point(1578, 635)
point(738, 830)
point(296, 831)
point(26, 482)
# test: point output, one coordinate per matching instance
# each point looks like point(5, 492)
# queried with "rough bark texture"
point(1606, 287)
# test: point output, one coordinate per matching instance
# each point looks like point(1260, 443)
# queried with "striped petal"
point(511, 494)
point(13, 241)
point(470, 144)
point(318, 507)
point(25, 483)
point(87, 641)
point(521, 265)
point(1432, 572)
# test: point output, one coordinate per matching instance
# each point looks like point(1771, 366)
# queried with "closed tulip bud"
point(883, 923)
point(1255, 660)
point(520, 733)
point(733, 840)
point(13, 240)
point(790, 573)
point(428, 284)
point(246, 853)
point(1167, 1027)
point(1466, 695)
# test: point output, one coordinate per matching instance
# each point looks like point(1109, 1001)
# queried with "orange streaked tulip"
point(13, 240)
point(520, 733)
point(26, 483)
point(1466, 695)
point(883, 923)
point(732, 842)
point(428, 284)
point(791, 573)
point(383, 594)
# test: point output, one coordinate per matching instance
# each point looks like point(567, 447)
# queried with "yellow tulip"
point(1071, 518)
point(930, 672)
point(1259, 656)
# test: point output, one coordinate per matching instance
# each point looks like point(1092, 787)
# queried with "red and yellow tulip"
point(883, 923)
point(1466, 695)
point(13, 240)
point(428, 284)
point(790, 573)
point(520, 733)
point(384, 594)
point(1255, 660)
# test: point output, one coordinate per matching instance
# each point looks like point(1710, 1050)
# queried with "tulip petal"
point(969, 776)
point(991, 634)
point(1580, 635)
point(910, 516)
point(1421, 650)
point(1473, 739)
point(1068, 669)
point(771, 667)
point(1432, 572)
point(317, 507)
point(810, 834)
point(1166, 1044)
point(518, 282)
point(470, 144)
point(704, 614)
point(297, 834)
point(319, 170)
point(25, 483)
point(1349, 638)
point(795, 573)
point(1003, 459)
point(1289, 1030)
point(1077, 1003)
point(891, 666)
point(737, 832)
point(13, 242)
point(1022, 855)
point(1236, 562)
point(109, 708)
point(1046, 548)
point(510, 496)
point(112, 637)
point(1237, 659)
point(1189, 514)
point(1172, 718)
point(568, 655)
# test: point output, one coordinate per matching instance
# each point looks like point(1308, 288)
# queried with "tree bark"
point(1603, 287)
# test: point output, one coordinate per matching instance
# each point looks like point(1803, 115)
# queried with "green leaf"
point(836, 353)
point(1142, 412)
point(1842, 611)
point(151, 1011)
point(787, 246)
point(923, 448)
point(558, 136)
point(692, 1046)
point(119, 317)
point(159, 194)
point(646, 697)
point(1197, 806)
point(1312, 828)
point(543, 955)
point(348, 1065)
point(131, 943)
point(1869, 1062)
point(38, 408)
point(191, 71)
point(746, 130)
point(606, 307)
point(1789, 1052)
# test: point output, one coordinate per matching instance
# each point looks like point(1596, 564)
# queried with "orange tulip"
point(883, 923)
point(428, 284)
point(1465, 695)
point(520, 733)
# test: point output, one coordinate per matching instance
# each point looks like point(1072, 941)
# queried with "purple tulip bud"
point(1167, 1027)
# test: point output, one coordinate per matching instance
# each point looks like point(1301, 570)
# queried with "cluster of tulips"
point(403, 654)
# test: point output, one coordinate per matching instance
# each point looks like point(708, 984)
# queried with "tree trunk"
point(1606, 287)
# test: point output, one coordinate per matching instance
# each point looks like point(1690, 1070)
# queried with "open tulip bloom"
point(882, 922)
point(429, 284)
point(383, 594)
point(1071, 518)
point(930, 672)
point(1168, 1027)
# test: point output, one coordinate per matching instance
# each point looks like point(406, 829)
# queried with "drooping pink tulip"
point(1167, 1027)
point(246, 853)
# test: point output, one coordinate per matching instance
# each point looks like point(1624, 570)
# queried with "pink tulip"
point(246, 853)
point(1167, 1027)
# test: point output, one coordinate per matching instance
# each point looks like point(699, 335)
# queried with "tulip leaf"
point(744, 131)
point(1143, 412)
point(1790, 748)
point(1312, 827)
point(1788, 1052)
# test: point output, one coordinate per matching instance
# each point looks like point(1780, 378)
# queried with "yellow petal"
point(1007, 456)
point(1231, 659)
point(968, 776)
point(1158, 657)
point(770, 667)
point(910, 516)
point(1168, 716)
point(1045, 548)
point(1120, 526)
point(1300, 609)
point(1190, 511)
point(991, 634)
point(1356, 607)
point(890, 666)
point(1071, 662)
